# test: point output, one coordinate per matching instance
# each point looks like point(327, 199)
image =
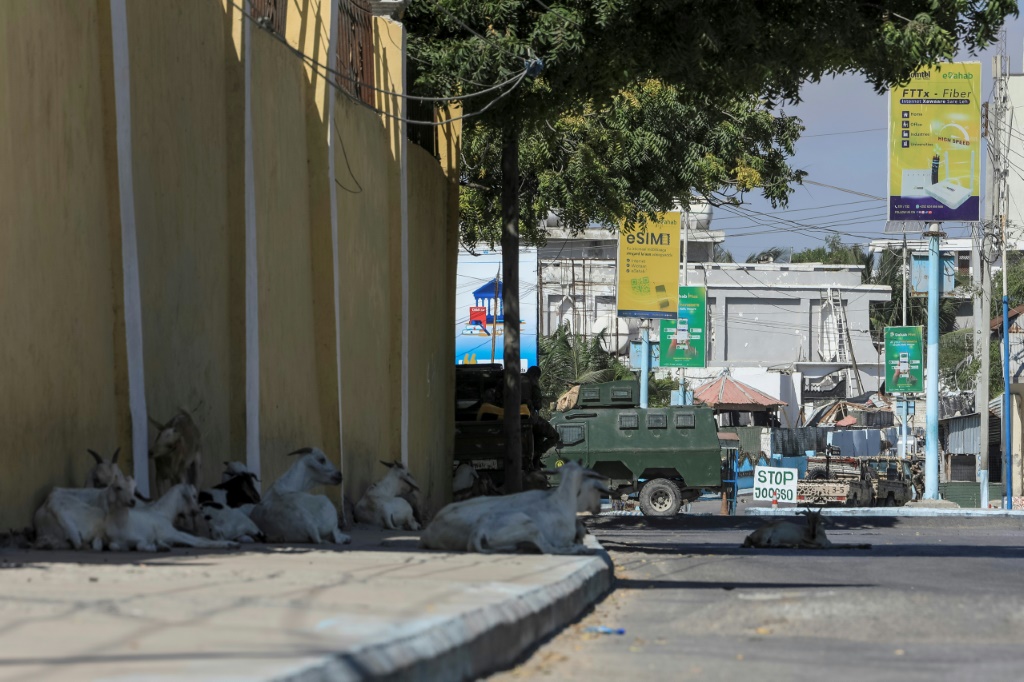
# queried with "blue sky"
point(844, 145)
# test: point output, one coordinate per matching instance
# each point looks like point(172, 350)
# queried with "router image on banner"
point(948, 194)
point(914, 184)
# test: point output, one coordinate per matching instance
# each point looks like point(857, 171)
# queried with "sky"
point(844, 145)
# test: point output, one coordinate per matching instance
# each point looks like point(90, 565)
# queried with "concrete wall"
point(58, 253)
point(63, 329)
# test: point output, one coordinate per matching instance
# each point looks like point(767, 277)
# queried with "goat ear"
point(142, 497)
point(117, 453)
point(95, 456)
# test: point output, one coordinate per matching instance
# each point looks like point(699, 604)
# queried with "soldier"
point(917, 478)
point(544, 435)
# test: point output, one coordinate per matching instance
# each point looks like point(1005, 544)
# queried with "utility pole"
point(903, 417)
point(931, 456)
point(1007, 420)
point(983, 293)
point(494, 315)
point(512, 424)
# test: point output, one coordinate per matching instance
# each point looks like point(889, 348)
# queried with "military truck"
point(891, 480)
point(835, 480)
point(667, 455)
point(479, 428)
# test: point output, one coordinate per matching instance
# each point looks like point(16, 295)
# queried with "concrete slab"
point(908, 511)
point(379, 608)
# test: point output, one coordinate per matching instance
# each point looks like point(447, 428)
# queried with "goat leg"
point(340, 538)
point(178, 537)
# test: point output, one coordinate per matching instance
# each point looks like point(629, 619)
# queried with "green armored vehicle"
point(666, 454)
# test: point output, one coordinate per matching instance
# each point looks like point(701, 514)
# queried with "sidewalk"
point(379, 607)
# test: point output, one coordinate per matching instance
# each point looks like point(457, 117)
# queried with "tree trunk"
point(510, 305)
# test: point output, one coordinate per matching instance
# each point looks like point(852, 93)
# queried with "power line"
point(844, 132)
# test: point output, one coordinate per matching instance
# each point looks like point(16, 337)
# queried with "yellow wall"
point(365, 195)
point(62, 328)
point(432, 344)
point(57, 382)
point(191, 242)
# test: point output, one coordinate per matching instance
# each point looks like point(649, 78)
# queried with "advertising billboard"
point(904, 360)
point(648, 269)
point(683, 342)
point(935, 144)
point(479, 318)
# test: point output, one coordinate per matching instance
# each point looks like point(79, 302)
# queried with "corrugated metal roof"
point(727, 391)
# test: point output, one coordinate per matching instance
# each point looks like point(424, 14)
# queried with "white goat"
point(103, 472)
point(228, 523)
point(289, 513)
point(77, 517)
point(383, 504)
point(462, 483)
point(152, 528)
point(791, 535)
point(545, 519)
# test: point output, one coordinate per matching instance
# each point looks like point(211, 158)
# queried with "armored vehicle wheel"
point(660, 497)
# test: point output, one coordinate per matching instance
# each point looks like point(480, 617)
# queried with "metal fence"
point(270, 12)
point(355, 50)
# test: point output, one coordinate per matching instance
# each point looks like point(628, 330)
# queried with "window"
point(629, 420)
point(571, 434)
point(624, 394)
point(657, 420)
point(590, 394)
point(355, 49)
point(684, 420)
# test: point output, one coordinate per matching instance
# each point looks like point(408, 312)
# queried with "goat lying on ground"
point(226, 506)
point(77, 517)
point(289, 513)
point(384, 505)
point(785, 534)
point(176, 452)
point(543, 519)
point(103, 472)
point(152, 528)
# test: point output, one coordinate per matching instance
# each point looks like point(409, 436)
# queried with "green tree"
point(835, 252)
point(583, 55)
point(568, 359)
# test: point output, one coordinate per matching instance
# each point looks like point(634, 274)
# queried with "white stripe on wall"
point(252, 329)
point(129, 246)
point(404, 189)
point(336, 262)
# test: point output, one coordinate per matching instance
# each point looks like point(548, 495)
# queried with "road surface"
point(933, 599)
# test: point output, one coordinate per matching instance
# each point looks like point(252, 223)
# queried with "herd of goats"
point(108, 513)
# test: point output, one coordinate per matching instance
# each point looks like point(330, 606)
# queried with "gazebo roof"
point(727, 393)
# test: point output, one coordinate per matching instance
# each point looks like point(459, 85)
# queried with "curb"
point(910, 512)
point(477, 642)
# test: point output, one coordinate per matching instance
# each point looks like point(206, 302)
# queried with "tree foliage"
point(642, 102)
point(835, 252)
point(568, 359)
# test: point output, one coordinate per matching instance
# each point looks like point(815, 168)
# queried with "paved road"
point(933, 599)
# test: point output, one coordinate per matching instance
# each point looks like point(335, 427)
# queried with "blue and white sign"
point(479, 315)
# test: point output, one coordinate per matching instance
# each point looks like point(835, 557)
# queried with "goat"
point(237, 487)
point(77, 517)
point(545, 519)
point(462, 483)
point(103, 472)
point(289, 513)
point(151, 529)
point(226, 523)
point(176, 452)
point(384, 505)
point(785, 534)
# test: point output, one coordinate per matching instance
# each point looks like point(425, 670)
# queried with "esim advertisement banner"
point(648, 269)
point(935, 144)
point(904, 360)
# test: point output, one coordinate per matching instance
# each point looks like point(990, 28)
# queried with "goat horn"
point(113, 460)
point(142, 497)
point(99, 460)
point(387, 464)
point(301, 451)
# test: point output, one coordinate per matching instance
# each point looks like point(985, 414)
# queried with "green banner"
point(683, 341)
point(904, 360)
